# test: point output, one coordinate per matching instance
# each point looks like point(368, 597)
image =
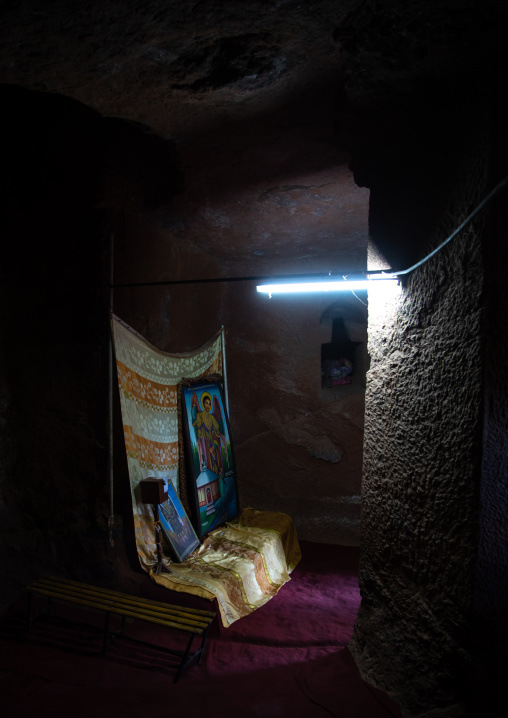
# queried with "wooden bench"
point(191, 620)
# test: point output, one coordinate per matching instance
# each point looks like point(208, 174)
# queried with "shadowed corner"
point(288, 658)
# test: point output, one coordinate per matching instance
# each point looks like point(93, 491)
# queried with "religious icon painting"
point(176, 526)
point(209, 456)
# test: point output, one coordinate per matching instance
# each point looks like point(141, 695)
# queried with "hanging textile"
point(148, 380)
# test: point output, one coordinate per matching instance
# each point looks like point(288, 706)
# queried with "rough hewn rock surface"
point(230, 139)
point(422, 578)
point(424, 407)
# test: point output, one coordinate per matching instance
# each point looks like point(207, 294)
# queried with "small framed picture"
point(211, 473)
point(176, 526)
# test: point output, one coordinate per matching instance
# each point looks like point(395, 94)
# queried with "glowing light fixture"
point(328, 284)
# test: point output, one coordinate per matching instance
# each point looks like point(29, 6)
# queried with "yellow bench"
point(192, 620)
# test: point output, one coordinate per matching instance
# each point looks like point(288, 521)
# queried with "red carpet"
point(286, 659)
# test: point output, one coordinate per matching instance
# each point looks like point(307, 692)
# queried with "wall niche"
point(344, 358)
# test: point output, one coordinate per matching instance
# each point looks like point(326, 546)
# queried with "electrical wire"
point(461, 226)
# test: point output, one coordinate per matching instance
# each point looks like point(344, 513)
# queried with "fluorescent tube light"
point(326, 285)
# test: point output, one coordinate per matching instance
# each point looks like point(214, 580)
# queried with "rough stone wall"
point(422, 466)
point(301, 452)
point(493, 548)
point(52, 334)
point(489, 632)
point(298, 445)
point(54, 331)
point(433, 535)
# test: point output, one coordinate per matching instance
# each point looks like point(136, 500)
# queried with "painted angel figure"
point(209, 427)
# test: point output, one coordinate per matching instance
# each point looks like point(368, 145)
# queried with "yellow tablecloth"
point(243, 564)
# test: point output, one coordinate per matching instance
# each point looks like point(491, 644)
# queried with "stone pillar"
point(422, 459)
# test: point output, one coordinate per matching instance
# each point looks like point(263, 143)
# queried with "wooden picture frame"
point(176, 526)
point(211, 472)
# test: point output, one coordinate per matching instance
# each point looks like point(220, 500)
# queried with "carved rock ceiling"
point(252, 92)
point(247, 90)
point(171, 65)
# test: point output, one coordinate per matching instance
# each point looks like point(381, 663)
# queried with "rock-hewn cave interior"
point(209, 140)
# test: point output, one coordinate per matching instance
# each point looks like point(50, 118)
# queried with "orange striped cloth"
point(148, 380)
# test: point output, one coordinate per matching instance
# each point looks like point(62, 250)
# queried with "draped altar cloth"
point(244, 563)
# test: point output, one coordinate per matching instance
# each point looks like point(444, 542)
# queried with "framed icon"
point(209, 456)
